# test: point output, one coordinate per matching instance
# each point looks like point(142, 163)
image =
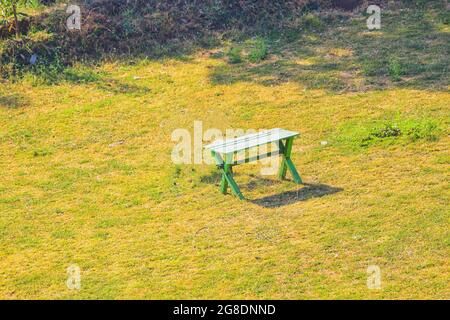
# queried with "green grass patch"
point(234, 55)
point(253, 50)
point(258, 50)
point(399, 131)
point(395, 69)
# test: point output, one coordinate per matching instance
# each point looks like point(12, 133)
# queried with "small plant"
point(235, 55)
point(259, 51)
point(10, 9)
point(395, 69)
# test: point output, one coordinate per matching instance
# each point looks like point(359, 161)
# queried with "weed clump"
point(254, 51)
point(235, 55)
point(395, 69)
point(259, 51)
point(387, 131)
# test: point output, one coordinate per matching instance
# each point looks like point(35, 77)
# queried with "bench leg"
point(227, 175)
point(287, 162)
point(233, 185)
point(223, 184)
point(283, 167)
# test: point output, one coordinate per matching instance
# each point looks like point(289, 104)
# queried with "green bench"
point(225, 152)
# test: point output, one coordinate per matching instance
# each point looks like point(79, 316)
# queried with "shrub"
point(235, 55)
point(259, 51)
point(395, 69)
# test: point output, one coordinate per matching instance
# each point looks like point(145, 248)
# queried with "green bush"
point(259, 51)
point(395, 69)
point(235, 55)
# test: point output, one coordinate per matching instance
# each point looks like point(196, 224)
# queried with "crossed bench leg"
point(285, 150)
point(227, 175)
point(226, 167)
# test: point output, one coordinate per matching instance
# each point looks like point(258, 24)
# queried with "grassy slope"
point(140, 227)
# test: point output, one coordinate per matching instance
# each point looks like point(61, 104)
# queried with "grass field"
point(87, 176)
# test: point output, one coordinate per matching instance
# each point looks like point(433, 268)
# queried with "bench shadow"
point(260, 182)
point(309, 191)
